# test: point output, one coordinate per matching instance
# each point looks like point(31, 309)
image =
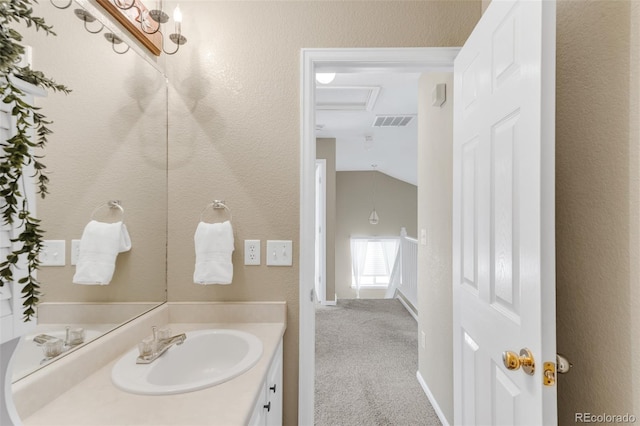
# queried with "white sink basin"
point(206, 358)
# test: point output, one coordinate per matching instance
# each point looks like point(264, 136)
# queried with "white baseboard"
point(432, 400)
point(407, 307)
point(331, 302)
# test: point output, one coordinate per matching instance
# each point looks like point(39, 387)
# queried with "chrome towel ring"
point(111, 204)
point(216, 205)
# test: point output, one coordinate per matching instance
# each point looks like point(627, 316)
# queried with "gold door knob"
point(514, 361)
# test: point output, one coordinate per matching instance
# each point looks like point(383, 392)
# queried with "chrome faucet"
point(150, 350)
point(53, 346)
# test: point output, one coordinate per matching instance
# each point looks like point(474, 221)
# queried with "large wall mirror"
point(109, 142)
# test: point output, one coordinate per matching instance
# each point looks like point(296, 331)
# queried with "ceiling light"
point(373, 217)
point(325, 77)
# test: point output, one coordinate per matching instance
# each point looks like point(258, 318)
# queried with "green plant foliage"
point(16, 153)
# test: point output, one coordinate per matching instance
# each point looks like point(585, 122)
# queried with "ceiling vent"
point(393, 120)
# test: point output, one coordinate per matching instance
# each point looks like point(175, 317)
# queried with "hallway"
point(366, 363)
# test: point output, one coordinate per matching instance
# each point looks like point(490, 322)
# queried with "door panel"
point(504, 282)
point(506, 41)
point(469, 212)
point(469, 369)
point(505, 397)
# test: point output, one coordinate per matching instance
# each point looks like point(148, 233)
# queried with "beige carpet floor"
point(366, 363)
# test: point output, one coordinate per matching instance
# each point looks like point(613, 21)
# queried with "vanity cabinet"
point(268, 408)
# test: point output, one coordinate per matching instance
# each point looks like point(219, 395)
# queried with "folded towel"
point(99, 246)
point(214, 245)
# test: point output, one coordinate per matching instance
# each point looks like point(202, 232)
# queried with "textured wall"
point(435, 189)
point(634, 196)
point(234, 126)
point(485, 4)
point(598, 304)
point(396, 204)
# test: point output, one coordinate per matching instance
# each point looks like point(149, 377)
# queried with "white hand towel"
point(214, 245)
point(99, 246)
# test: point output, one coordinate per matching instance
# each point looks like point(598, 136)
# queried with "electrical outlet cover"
point(75, 251)
point(252, 252)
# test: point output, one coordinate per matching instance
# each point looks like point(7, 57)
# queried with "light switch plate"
point(279, 253)
point(53, 253)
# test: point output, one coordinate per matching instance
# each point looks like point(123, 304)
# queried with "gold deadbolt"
point(514, 361)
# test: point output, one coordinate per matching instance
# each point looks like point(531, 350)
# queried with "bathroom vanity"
point(87, 395)
point(268, 408)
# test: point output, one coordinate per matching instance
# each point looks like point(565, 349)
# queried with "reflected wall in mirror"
point(109, 142)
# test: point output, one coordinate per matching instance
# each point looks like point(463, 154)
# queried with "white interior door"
point(503, 224)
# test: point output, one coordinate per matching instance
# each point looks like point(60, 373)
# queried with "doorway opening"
point(336, 60)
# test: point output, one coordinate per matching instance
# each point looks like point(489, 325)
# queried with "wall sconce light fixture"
point(115, 40)
point(87, 17)
point(151, 21)
point(63, 6)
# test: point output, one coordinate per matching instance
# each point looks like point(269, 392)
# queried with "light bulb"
point(373, 217)
point(177, 17)
point(325, 77)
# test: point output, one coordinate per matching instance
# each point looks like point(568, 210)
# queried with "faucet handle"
point(53, 348)
point(146, 347)
point(164, 333)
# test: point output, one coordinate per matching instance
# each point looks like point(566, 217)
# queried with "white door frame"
point(321, 212)
point(421, 59)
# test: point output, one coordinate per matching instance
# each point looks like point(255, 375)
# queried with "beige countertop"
point(96, 401)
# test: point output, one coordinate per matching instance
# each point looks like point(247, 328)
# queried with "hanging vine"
point(16, 153)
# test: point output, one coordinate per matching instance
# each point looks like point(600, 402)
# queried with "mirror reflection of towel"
point(214, 246)
point(99, 246)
